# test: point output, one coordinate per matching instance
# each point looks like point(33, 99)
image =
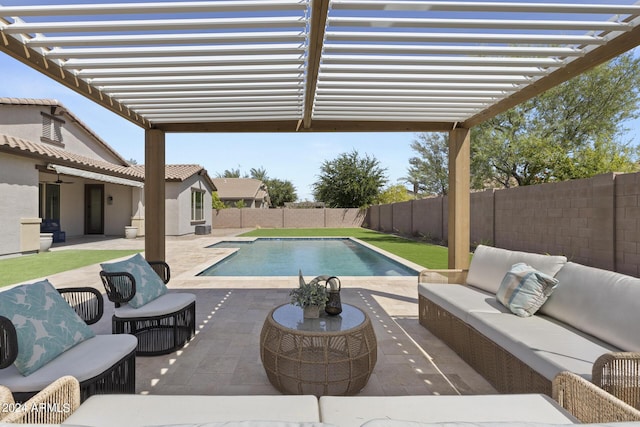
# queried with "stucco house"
point(54, 167)
point(252, 192)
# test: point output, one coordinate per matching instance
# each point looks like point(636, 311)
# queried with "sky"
point(296, 157)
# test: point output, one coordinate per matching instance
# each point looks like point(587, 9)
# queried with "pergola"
point(314, 66)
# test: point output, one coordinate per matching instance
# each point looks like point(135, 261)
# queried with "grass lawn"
point(20, 269)
point(424, 254)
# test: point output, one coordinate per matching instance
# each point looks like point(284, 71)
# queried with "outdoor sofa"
point(575, 400)
point(588, 325)
point(44, 335)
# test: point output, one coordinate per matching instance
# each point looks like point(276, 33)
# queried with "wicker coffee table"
point(332, 355)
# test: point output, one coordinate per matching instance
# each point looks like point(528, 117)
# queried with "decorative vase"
point(130, 232)
point(311, 312)
point(334, 305)
point(46, 240)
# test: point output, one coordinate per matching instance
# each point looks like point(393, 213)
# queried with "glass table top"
point(290, 316)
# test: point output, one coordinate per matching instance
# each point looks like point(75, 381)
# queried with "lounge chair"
point(45, 336)
point(162, 322)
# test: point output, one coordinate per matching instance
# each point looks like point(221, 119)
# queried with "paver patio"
point(224, 359)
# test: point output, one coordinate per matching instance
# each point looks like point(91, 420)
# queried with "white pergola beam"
point(158, 52)
point(168, 39)
point(475, 38)
point(484, 24)
point(482, 6)
point(175, 7)
point(153, 25)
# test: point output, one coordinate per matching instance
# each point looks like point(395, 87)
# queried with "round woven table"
point(332, 355)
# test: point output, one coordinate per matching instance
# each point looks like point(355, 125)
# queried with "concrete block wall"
point(287, 218)
point(628, 224)
point(593, 221)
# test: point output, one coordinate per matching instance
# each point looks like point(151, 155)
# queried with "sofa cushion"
point(353, 411)
point(599, 302)
point(165, 304)
point(149, 285)
point(144, 410)
point(84, 361)
point(546, 345)
point(46, 325)
point(459, 300)
point(524, 289)
point(402, 423)
point(489, 265)
point(251, 423)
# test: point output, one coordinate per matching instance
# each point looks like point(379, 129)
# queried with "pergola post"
point(459, 198)
point(154, 195)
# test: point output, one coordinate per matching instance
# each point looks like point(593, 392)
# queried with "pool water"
point(284, 257)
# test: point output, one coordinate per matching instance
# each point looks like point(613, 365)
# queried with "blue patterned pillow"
point(45, 323)
point(524, 289)
point(149, 285)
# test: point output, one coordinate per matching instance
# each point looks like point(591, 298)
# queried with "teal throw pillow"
point(524, 289)
point(149, 285)
point(45, 323)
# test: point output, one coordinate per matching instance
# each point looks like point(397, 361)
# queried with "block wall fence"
point(593, 221)
point(287, 218)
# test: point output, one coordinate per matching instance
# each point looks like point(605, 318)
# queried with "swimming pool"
point(284, 257)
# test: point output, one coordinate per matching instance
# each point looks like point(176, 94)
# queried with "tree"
point(216, 203)
point(349, 181)
point(281, 192)
point(393, 194)
point(260, 174)
point(571, 131)
point(231, 173)
point(430, 168)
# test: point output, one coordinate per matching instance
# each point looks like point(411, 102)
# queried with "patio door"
point(94, 209)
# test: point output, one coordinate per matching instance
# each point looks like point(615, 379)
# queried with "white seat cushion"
point(459, 300)
point(544, 344)
point(84, 361)
point(139, 410)
point(353, 411)
point(165, 304)
point(489, 265)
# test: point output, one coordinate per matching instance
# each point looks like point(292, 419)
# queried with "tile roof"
point(238, 188)
point(19, 146)
point(180, 172)
point(73, 117)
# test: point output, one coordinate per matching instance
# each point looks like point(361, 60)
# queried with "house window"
point(49, 201)
point(51, 129)
point(197, 205)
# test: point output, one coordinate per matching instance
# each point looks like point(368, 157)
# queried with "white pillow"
point(524, 289)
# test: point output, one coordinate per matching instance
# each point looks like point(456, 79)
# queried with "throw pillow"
point(149, 285)
point(46, 325)
point(524, 289)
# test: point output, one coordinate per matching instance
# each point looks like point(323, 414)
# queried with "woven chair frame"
point(87, 303)
point(160, 334)
point(619, 374)
point(54, 404)
point(588, 402)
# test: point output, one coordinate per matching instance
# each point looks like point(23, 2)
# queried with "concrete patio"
point(224, 358)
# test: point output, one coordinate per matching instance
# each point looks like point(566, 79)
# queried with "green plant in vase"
point(311, 297)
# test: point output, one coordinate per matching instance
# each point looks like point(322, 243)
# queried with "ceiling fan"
point(59, 181)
